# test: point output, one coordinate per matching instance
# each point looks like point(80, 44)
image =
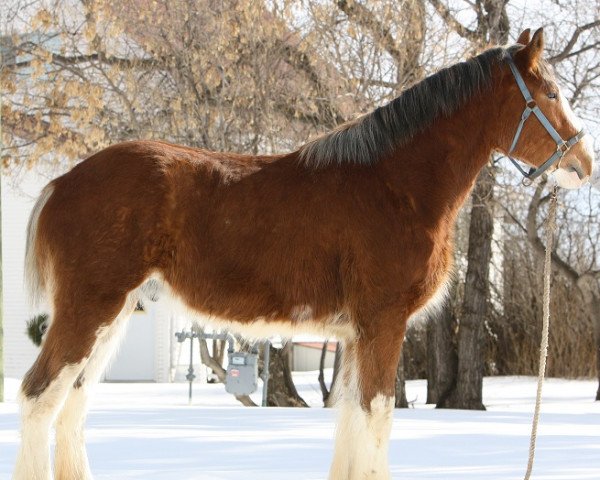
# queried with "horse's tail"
point(35, 265)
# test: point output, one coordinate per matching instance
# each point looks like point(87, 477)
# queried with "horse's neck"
point(438, 169)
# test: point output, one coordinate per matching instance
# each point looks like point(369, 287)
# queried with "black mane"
point(365, 140)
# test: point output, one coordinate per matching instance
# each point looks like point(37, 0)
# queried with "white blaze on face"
point(572, 119)
point(567, 177)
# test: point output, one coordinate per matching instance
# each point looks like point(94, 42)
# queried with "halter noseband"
point(562, 146)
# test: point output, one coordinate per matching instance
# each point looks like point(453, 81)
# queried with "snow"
point(147, 431)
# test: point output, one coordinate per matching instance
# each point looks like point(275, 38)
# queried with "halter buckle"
point(563, 148)
point(531, 104)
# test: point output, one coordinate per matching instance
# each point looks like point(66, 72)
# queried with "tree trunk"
point(595, 311)
point(337, 362)
point(401, 401)
point(219, 350)
point(324, 391)
point(336, 369)
point(1, 294)
point(1, 285)
point(282, 391)
point(468, 391)
point(597, 339)
point(442, 361)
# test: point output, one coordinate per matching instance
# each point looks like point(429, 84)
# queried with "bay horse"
point(349, 236)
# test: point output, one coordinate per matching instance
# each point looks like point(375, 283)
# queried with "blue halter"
point(562, 146)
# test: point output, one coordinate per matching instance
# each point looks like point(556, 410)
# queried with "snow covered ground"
point(147, 431)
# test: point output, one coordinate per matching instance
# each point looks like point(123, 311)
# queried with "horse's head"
point(542, 130)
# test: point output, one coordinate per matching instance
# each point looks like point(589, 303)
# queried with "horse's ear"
point(530, 55)
point(524, 37)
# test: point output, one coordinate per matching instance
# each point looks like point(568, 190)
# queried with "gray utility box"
point(242, 373)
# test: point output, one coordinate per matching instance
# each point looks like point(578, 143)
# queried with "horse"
point(349, 236)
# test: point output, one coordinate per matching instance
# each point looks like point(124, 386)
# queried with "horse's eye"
point(552, 95)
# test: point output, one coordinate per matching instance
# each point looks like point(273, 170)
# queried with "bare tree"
point(491, 25)
point(400, 392)
point(327, 392)
point(577, 263)
point(241, 75)
point(467, 390)
point(256, 76)
point(281, 389)
point(442, 360)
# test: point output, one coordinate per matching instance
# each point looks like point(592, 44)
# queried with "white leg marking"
point(37, 415)
point(71, 461)
point(379, 425)
point(361, 447)
point(361, 450)
point(70, 457)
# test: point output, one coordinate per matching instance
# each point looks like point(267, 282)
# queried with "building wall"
point(17, 203)
point(306, 359)
point(163, 340)
point(135, 358)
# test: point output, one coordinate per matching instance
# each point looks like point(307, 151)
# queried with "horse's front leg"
point(365, 398)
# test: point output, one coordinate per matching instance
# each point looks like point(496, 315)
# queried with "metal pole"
point(190, 376)
point(266, 372)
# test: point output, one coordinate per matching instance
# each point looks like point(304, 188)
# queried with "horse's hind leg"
point(70, 459)
point(68, 346)
point(365, 398)
point(43, 391)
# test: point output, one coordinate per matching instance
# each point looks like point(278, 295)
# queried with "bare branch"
point(299, 60)
point(382, 34)
point(64, 60)
point(566, 51)
point(534, 238)
point(453, 23)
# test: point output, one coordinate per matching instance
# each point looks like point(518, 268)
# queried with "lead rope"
point(550, 226)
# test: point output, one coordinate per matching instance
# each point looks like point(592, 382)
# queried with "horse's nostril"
point(577, 170)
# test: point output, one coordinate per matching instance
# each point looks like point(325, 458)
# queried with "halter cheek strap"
point(562, 146)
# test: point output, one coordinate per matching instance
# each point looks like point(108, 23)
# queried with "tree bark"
point(401, 401)
point(219, 350)
point(1, 285)
point(442, 361)
point(598, 358)
point(336, 369)
point(282, 391)
point(595, 310)
point(1, 294)
point(337, 362)
point(325, 392)
point(492, 26)
point(468, 391)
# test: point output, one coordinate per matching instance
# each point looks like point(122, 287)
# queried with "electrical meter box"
point(242, 373)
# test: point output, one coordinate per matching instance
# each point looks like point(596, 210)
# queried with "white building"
point(306, 353)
